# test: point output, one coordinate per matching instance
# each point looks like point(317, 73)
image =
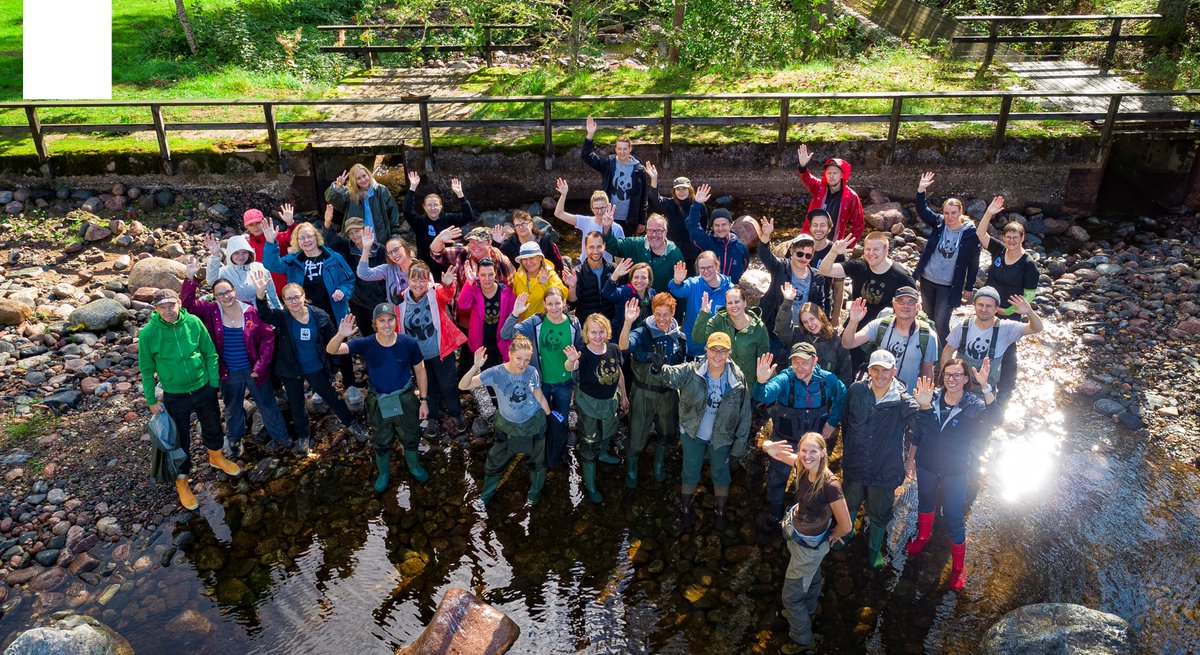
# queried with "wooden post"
point(665, 155)
point(164, 149)
point(487, 44)
point(993, 33)
point(39, 144)
point(893, 128)
point(426, 138)
point(1110, 120)
point(784, 116)
point(547, 135)
point(1001, 128)
point(273, 136)
point(1113, 37)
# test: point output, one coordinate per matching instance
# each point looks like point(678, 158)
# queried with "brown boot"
point(216, 459)
point(186, 497)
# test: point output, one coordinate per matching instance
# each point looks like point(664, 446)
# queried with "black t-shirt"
point(819, 256)
point(491, 320)
point(833, 205)
point(877, 289)
point(599, 374)
point(1010, 279)
point(314, 284)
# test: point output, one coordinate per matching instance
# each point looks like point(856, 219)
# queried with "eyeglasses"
point(656, 231)
point(395, 251)
point(522, 224)
point(293, 298)
point(954, 376)
point(906, 302)
point(224, 294)
point(704, 269)
point(802, 255)
point(719, 351)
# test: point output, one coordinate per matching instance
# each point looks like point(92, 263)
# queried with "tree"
point(181, 13)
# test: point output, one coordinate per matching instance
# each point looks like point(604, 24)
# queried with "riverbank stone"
point(76, 634)
point(465, 624)
point(1058, 628)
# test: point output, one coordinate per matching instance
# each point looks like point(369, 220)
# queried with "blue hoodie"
point(692, 291)
point(734, 254)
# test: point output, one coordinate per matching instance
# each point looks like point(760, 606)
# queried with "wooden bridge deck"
point(1073, 77)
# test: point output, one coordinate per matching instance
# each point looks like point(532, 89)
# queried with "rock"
point(26, 296)
point(1108, 407)
point(164, 198)
point(877, 197)
point(746, 229)
point(46, 557)
point(187, 621)
point(134, 193)
point(63, 400)
point(49, 579)
point(13, 312)
point(93, 204)
point(122, 263)
point(83, 563)
point(1191, 326)
point(14, 207)
point(100, 315)
point(115, 203)
point(6, 197)
point(116, 226)
point(108, 527)
point(96, 232)
point(1078, 233)
point(56, 496)
point(465, 624)
point(975, 208)
point(218, 211)
point(157, 272)
point(885, 217)
point(1131, 420)
point(65, 290)
point(1058, 628)
point(147, 203)
point(75, 634)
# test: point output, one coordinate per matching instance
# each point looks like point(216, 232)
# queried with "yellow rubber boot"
point(216, 459)
point(186, 497)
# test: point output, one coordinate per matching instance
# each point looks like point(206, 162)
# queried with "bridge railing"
point(1113, 37)
point(369, 50)
point(1000, 111)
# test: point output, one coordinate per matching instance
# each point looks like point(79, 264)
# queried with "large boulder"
point(157, 272)
point(75, 634)
point(464, 625)
point(884, 216)
point(100, 315)
point(15, 312)
point(1058, 628)
point(747, 229)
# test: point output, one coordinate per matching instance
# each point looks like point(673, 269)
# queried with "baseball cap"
point(804, 349)
point(383, 308)
point(882, 358)
point(165, 295)
point(907, 292)
point(718, 340)
point(681, 182)
point(480, 234)
point(252, 216)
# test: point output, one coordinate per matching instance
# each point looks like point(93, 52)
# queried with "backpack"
point(962, 340)
point(922, 331)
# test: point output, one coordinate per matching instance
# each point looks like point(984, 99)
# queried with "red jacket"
point(256, 334)
point(851, 211)
point(449, 336)
point(284, 239)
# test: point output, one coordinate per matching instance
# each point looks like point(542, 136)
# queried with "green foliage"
point(738, 34)
point(26, 428)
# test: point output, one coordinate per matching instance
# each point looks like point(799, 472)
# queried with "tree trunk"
point(181, 13)
point(676, 27)
point(1173, 25)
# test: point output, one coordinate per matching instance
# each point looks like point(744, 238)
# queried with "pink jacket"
point(449, 336)
point(471, 303)
point(258, 336)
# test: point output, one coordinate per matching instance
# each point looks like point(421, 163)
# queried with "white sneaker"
point(354, 396)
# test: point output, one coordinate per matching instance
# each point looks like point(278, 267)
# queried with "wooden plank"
point(39, 143)
point(1078, 17)
point(273, 136)
point(160, 130)
point(1082, 38)
point(422, 26)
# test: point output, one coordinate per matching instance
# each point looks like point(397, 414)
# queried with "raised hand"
point(842, 246)
point(456, 187)
point(367, 239)
point(561, 186)
point(449, 234)
point(705, 303)
point(788, 291)
point(996, 206)
point(287, 213)
point(590, 126)
point(498, 235)
point(347, 326)
point(481, 356)
point(924, 392)
point(803, 156)
point(269, 232)
point(703, 193)
point(781, 447)
point(212, 244)
point(193, 267)
point(607, 217)
point(572, 356)
point(766, 228)
point(328, 216)
point(414, 179)
point(622, 269)
point(544, 275)
point(1019, 302)
point(652, 171)
point(680, 272)
point(633, 310)
point(858, 310)
point(520, 304)
point(569, 277)
point(926, 180)
point(261, 281)
point(765, 368)
point(450, 276)
point(981, 374)
point(470, 272)
point(341, 179)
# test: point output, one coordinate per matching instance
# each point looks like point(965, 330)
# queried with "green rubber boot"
point(631, 472)
point(536, 482)
point(589, 482)
point(383, 463)
point(875, 536)
point(660, 463)
point(845, 540)
point(490, 483)
point(413, 459)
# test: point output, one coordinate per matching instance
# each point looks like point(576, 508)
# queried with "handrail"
point(421, 26)
point(369, 51)
point(782, 119)
point(1113, 37)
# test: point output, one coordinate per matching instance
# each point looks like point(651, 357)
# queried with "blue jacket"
point(692, 290)
point(336, 274)
point(734, 254)
point(824, 389)
point(947, 443)
point(966, 264)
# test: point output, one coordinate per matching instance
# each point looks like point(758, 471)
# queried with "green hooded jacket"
point(182, 354)
point(748, 344)
point(732, 425)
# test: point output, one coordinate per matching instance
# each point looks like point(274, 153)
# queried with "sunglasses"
point(802, 255)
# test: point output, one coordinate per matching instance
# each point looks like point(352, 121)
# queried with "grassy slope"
point(10, 48)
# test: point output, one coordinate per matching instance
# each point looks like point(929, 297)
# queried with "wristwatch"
point(987, 388)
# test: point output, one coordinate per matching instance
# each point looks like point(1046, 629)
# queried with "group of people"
point(650, 323)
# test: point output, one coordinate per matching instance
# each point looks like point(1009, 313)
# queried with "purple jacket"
point(471, 303)
point(258, 336)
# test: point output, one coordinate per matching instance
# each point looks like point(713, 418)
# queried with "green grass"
point(10, 48)
point(21, 430)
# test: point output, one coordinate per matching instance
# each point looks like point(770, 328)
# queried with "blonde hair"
point(520, 342)
point(708, 254)
point(300, 229)
point(357, 195)
point(824, 475)
point(602, 321)
point(598, 195)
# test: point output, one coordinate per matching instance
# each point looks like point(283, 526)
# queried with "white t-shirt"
point(980, 340)
point(586, 224)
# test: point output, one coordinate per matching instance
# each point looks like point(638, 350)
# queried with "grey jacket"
point(732, 425)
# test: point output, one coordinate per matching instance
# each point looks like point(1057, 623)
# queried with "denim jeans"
point(954, 499)
point(935, 300)
point(320, 383)
point(234, 389)
point(203, 403)
point(558, 395)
